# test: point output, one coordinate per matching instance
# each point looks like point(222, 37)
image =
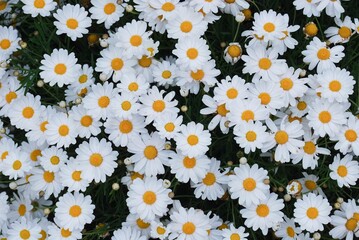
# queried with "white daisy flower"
point(34, 151)
point(318, 54)
point(45, 181)
point(86, 124)
point(288, 230)
point(56, 232)
point(309, 184)
point(164, 8)
point(125, 105)
point(9, 41)
point(233, 53)
point(247, 184)
point(165, 73)
point(134, 221)
point(4, 208)
point(158, 230)
point(73, 211)
point(6, 6)
point(72, 20)
point(264, 215)
point(53, 159)
point(207, 6)
point(25, 229)
point(38, 7)
point(232, 233)
point(333, 8)
point(347, 138)
point(230, 89)
point(96, 159)
point(220, 111)
point(235, 6)
point(106, 11)
point(15, 164)
point(342, 33)
point(309, 7)
point(269, 25)
point(127, 233)
point(9, 92)
point(312, 212)
point(148, 198)
point(85, 78)
point(72, 177)
point(20, 207)
point(168, 125)
point(59, 68)
point(133, 84)
point(344, 170)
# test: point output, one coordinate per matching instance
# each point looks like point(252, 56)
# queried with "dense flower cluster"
point(122, 109)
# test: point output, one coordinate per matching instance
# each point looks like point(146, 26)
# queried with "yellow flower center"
point(126, 105)
point(234, 51)
point(269, 27)
point(290, 232)
point(10, 96)
point(64, 130)
point(76, 176)
point(325, 116)
point(65, 233)
point(35, 154)
point(186, 26)
point(83, 78)
point(160, 230)
point(188, 228)
point(286, 84)
point(86, 121)
point(135, 175)
point(55, 160)
point(25, 234)
point(345, 32)
point(117, 64)
point(311, 185)
point(96, 159)
point(351, 135)
point(3, 4)
point(16, 165)
point(222, 110)
point(249, 184)
point(150, 152)
point(166, 74)
point(133, 87)
point(264, 63)
point(72, 23)
point(169, 127)
point(192, 140)
point(198, 75)
point(21, 210)
point(75, 211)
point(251, 136)
point(103, 101)
point(247, 115)
point(312, 213)
point(60, 69)
point(141, 224)
point(301, 105)
point(109, 8)
point(158, 105)
point(323, 54)
point(149, 197)
point(235, 236)
point(232, 93)
point(262, 210)
point(168, 7)
point(335, 86)
point(43, 126)
point(281, 137)
point(192, 53)
point(189, 162)
point(43, 235)
point(136, 40)
point(5, 44)
point(28, 112)
point(145, 61)
point(309, 148)
point(311, 29)
point(351, 224)
point(209, 179)
point(342, 171)
point(265, 98)
point(125, 126)
point(48, 176)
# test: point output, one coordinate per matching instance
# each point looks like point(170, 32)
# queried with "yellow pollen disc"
point(133, 87)
point(76, 176)
point(136, 40)
point(323, 54)
point(186, 26)
point(126, 105)
point(117, 64)
point(83, 78)
point(169, 127)
point(247, 115)
point(345, 32)
point(262, 210)
point(125, 126)
point(290, 232)
point(249, 184)
point(28, 112)
point(342, 171)
point(4, 155)
point(75, 211)
point(311, 29)
point(192, 140)
point(3, 5)
point(188, 228)
point(150, 152)
point(311, 185)
point(166, 74)
point(168, 7)
point(325, 116)
point(247, 13)
point(223, 226)
point(351, 135)
point(86, 121)
point(55, 160)
point(109, 8)
point(149, 197)
point(145, 61)
point(10, 96)
point(251, 136)
point(235, 236)
point(281, 137)
point(21, 210)
point(64, 130)
point(103, 101)
point(234, 51)
point(232, 93)
point(351, 224)
point(312, 213)
point(286, 84)
point(17, 165)
point(43, 126)
point(192, 53)
point(96, 159)
point(335, 86)
point(60, 69)
point(229, 1)
point(158, 105)
point(309, 148)
point(48, 176)
point(35, 154)
point(222, 110)
point(356, 216)
point(141, 224)
point(301, 105)
point(82, 92)
point(72, 23)
point(189, 162)
point(65, 233)
point(5, 44)
point(264, 63)
point(43, 235)
point(209, 179)
point(135, 175)
point(198, 75)
point(265, 98)
point(160, 230)
point(269, 27)
point(25, 234)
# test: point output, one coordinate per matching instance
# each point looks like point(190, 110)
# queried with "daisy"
point(113, 62)
point(96, 159)
point(133, 84)
point(163, 9)
point(318, 54)
point(8, 93)
point(185, 22)
point(53, 159)
point(4, 208)
point(106, 11)
point(347, 138)
point(309, 183)
point(20, 207)
point(188, 224)
point(148, 198)
point(165, 73)
point(72, 177)
point(287, 230)
point(125, 105)
point(97, 102)
point(269, 25)
point(85, 78)
point(72, 20)
point(134, 221)
point(9, 39)
point(247, 184)
point(61, 130)
point(232, 53)
point(168, 125)
point(230, 89)
point(288, 41)
point(263, 63)
point(207, 7)
point(158, 230)
point(310, 29)
point(192, 53)
point(250, 135)
point(235, 6)
point(155, 104)
point(213, 185)
point(193, 139)
point(56, 232)
point(300, 107)
point(149, 154)
point(45, 181)
point(24, 230)
point(335, 85)
point(36, 7)
point(264, 215)
point(312, 212)
point(287, 138)
point(5, 6)
point(121, 130)
point(326, 118)
point(342, 33)
point(73, 211)
point(127, 233)
point(344, 170)
point(33, 150)
point(220, 111)
point(16, 164)
point(333, 8)
point(234, 233)
point(59, 68)
point(87, 125)
point(309, 7)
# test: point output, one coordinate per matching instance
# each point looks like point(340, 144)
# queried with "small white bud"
point(184, 92)
point(171, 195)
point(337, 205)
point(243, 160)
point(166, 183)
point(40, 83)
point(287, 197)
point(4, 64)
point(103, 43)
point(62, 104)
point(103, 77)
point(2, 130)
point(13, 185)
point(340, 200)
point(13, 16)
point(115, 186)
point(47, 211)
point(316, 236)
point(240, 17)
point(127, 161)
point(129, 8)
point(303, 73)
point(223, 44)
point(184, 108)
point(78, 100)
point(168, 146)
